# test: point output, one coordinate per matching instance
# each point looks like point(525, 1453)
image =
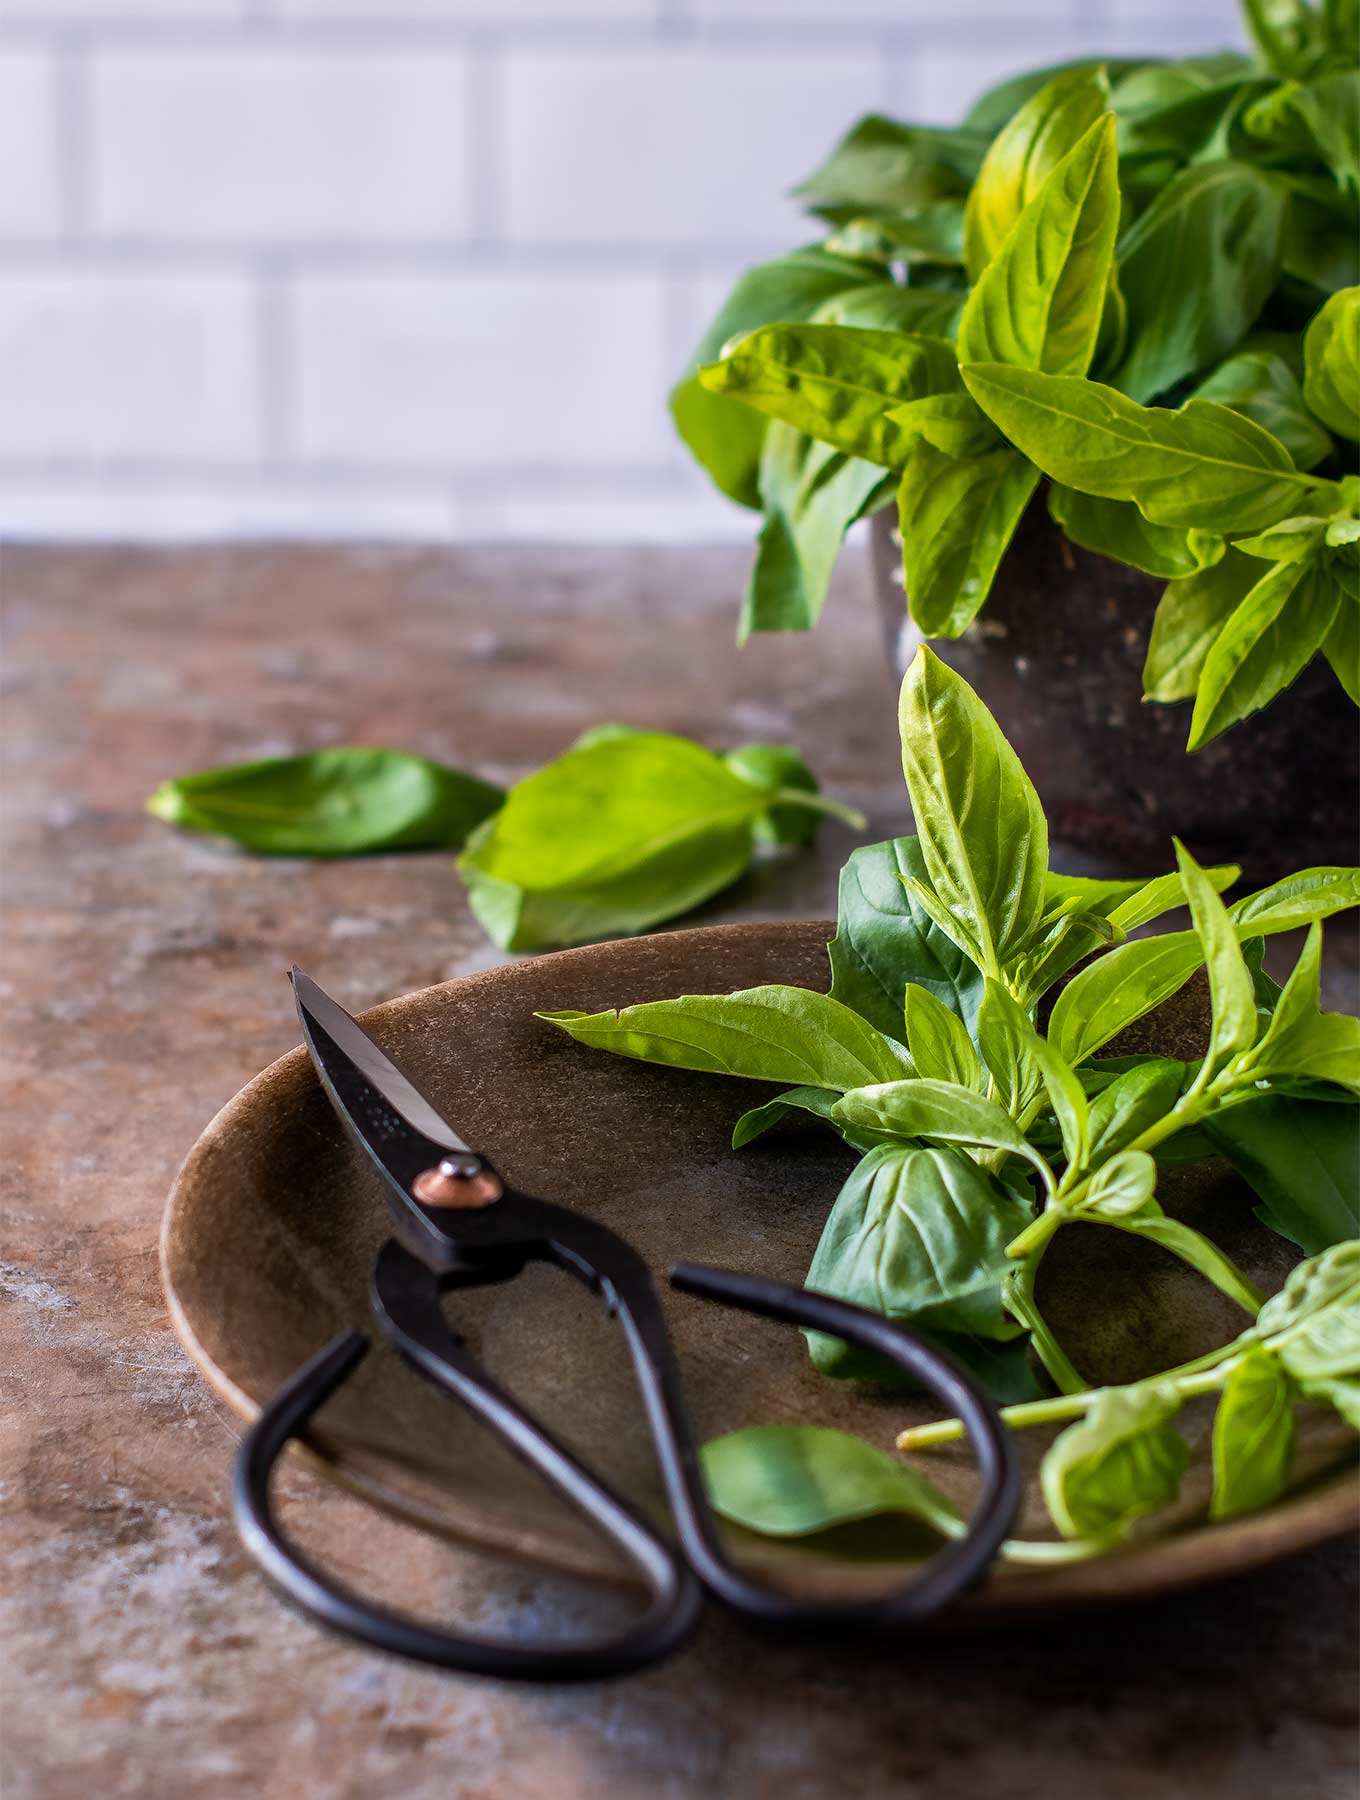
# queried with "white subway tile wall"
point(425, 269)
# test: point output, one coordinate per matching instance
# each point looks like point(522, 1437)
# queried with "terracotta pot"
point(1057, 654)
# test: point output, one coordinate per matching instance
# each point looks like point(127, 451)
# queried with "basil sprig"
point(1139, 280)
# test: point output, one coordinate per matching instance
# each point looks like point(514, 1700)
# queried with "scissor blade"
point(356, 1072)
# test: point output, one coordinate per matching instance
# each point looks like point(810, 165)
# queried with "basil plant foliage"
point(983, 1136)
point(1138, 279)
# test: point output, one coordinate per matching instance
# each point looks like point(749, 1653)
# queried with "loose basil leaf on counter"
point(342, 801)
point(1117, 528)
point(1038, 302)
point(1262, 385)
point(792, 1480)
point(1203, 465)
point(957, 517)
point(1254, 1432)
point(1024, 153)
point(884, 940)
point(983, 833)
point(920, 1236)
point(1302, 1159)
point(1276, 630)
point(1190, 615)
point(785, 1034)
point(613, 838)
point(778, 767)
point(1331, 356)
point(1120, 1463)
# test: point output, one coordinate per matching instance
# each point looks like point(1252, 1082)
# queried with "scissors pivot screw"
point(460, 1182)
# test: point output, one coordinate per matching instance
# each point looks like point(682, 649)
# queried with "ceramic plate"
point(274, 1220)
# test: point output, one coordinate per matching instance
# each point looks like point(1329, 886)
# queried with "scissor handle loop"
point(675, 1595)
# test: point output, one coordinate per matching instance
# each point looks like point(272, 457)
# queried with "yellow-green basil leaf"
point(1121, 1462)
point(1038, 303)
point(938, 1041)
point(817, 1101)
point(342, 801)
point(1124, 984)
point(1267, 641)
point(1331, 363)
point(791, 1480)
point(926, 234)
point(954, 423)
point(1262, 385)
point(1292, 540)
point(1254, 1432)
point(1203, 465)
point(778, 768)
point(765, 1033)
point(1296, 900)
point(957, 516)
point(938, 1110)
point(838, 383)
point(883, 306)
point(983, 834)
point(1231, 992)
point(1140, 1097)
point(1190, 615)
point(1117, 528)
point(1154, 898)
point(1195, 270)
point(1007, 1040)
point(1341, 647)
point(1122, 1186)
point(1323, 1047)
point(1024, 153)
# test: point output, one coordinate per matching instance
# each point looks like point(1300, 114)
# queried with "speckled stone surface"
point(142, 986)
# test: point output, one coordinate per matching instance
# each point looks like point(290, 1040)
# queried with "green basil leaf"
point(818, 1101)
point(1158, 896)
point(884, 941)
point(1264, 645)
point(1062, 943)
point(1254, 1433)
point(1231, 991)
point(726, 438)
point(957, 516)
point(1038, 302)
point(1342, 1392)
point(1186, 120)
point(1292, 540)
point(812, 495)
point(1024, 153)
point(1325, 1345)
point(1203, 465)
point(1120, 1463)
point(982, 830)
point(343, 801)
point(1109, 995)
point(1117, 528)
point(1190, 615)
point(1139, 1097)
point(610, 839)
point(994, 107)
point(772, 768)
point(1324, 1047)
point(881, 163)
point(952, 423)
point(1295, 38)
point(1008, 1042)
point(1296, 900)
point(883, 306)
point(792, 1480)
point(767, 1033)
point(1196, 269)
point(1262, 386)
point(838, 383)
point(1331, 1278)
point(1331, 360)
point(1302, 1158)
point(926, 234)
point(1122, 1186)
point(939, 1110)
point(920, 1236)
point(938, 1041)
point(1341, 647)
point(1191, 1247)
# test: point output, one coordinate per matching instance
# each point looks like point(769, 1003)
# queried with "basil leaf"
point(838, 383)
point(1191, 1247)
point(1117, 528)
point(1296, 900)
point(957, 516)
point(1159, 896)
point(1324, 1047)
point(982, 830)
point(1101, 1000)
point(952, 423)
point(1007, 1039)
point(1024, 153)
point(1134, 1100)
point(811, 495)
point(938, 1041)
point(939, 1110)
point(1264, 645)
point(1326, 1344)
point(927, 234)
point(1121, 1462)
point(1231, 991)
point(1038, 302)
point(1203, 465)
point(1331, 360)
point(1302, 1158)
point(1254, 1433)
point(1262, 387)
point(722, 436)
point(768, 1033)
point(920, 1236)
point(884, 941)
point(792, 1480)
point(917, 311)
point(1342, 1392)
point(1323, 1281)
point(991, 110)
point(1122, 1186)
point(1341, 647)
point(342, 801)
point(815, 1100)
point(1190, 615)
point(880, 163)
point(1195, 270)
point(778, 768)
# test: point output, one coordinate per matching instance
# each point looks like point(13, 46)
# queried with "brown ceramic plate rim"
point(1319, 1513)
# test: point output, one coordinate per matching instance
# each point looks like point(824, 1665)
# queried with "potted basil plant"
point(1092, 360)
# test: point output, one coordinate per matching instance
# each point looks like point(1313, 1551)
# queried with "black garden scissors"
point(458, 1225)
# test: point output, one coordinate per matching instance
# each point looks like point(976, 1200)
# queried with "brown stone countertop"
point(142, 985)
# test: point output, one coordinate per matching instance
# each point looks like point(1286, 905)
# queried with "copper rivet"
point(437, 1187)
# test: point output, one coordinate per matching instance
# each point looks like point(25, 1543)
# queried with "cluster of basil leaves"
point(983, 1135)
point(626, 829)
point(1137, 279)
